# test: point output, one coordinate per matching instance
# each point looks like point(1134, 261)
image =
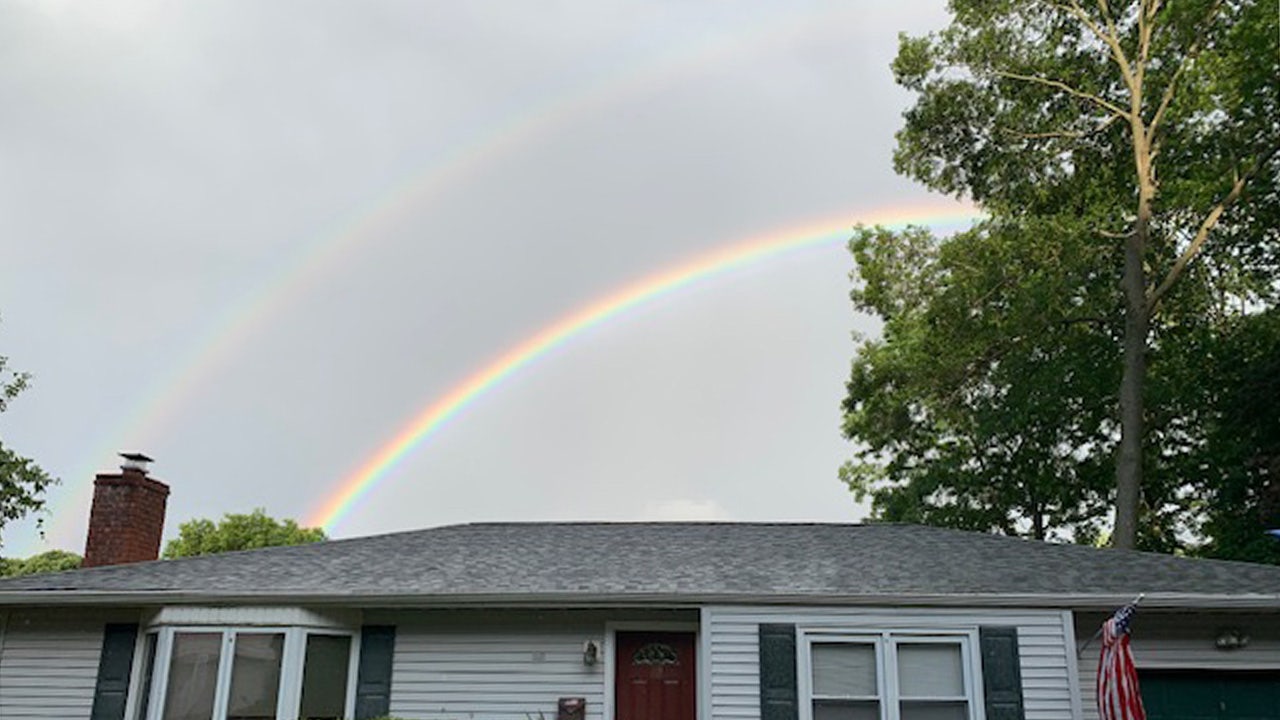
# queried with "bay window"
point(244, 673)
point(896, 675)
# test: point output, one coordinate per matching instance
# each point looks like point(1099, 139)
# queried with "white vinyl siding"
point(499, 665)
point(731, 635)
point(1182, 641)
point(49, 663)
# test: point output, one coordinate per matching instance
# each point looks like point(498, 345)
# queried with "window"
point(324, 677)
point(243, 673)
point(845, 681)
point(254, 691)
point(148, 669)
point(895, 675)
point(193, 675)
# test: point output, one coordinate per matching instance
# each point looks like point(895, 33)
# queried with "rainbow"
point(315, 254)
point(434, 416)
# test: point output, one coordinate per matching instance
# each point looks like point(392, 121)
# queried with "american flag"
point(1118, 696)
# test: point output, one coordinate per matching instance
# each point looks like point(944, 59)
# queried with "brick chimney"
point(127, 518)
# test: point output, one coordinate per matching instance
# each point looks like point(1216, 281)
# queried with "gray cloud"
point(163, 164)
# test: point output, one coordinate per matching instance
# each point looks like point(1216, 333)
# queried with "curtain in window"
point(193, 676)
point(255, 676)
point(845, 682)
point(931, 682)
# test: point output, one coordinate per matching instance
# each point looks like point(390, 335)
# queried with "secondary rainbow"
point(317, 253)
point(439, 411)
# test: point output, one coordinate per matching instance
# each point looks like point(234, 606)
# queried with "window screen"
point(255, 676)
point(193, 676)
point(324, 677)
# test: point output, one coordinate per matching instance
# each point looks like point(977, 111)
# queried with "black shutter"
point(1001, 676)
point(373, 682)
point(114, 667)
point(778, 673)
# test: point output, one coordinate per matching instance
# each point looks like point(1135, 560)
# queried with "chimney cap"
point(135, 462)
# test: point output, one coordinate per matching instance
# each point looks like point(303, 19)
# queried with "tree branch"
point(1067, 134)
point(1108, 36)
point(1064, 134)
point(1112, 39)
point(1146, 31)
point(1202, 233)
point(1099, 321)
point(1058, 84)
point(1073, 8)
point(1193, 52)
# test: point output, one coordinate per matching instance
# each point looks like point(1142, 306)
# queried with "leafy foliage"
point(22, 482)
point(1096, 284)
point(238, 532)
point(46, 562)
point(1241, 460)
point(979, 405)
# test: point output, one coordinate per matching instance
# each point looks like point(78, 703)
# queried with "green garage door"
point(1200, 695)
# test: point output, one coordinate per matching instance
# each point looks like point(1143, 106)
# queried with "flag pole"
point(1098, 634)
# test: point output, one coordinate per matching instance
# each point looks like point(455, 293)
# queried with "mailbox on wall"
point(572, 709)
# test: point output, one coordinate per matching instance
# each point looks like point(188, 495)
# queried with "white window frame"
point(885, 642)
point(846, 639)
point(293, 657)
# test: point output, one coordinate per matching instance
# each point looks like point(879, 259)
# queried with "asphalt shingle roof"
point(748, 562)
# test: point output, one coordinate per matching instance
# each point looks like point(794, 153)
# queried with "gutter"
point(1100, 601)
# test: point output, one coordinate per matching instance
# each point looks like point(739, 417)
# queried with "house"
point(635, 621)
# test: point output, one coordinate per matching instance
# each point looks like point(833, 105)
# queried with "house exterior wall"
point(502, 665)
point(49, 661)
point(515, 664)
point(1180, 641)
point(730, 645)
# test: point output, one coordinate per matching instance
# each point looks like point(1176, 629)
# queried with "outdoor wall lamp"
point(1231, 639)
point(590, 652)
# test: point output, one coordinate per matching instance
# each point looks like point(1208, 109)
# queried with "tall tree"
point(22, 482)
point(982, 402)
point(238, 532)
point(1149, 128)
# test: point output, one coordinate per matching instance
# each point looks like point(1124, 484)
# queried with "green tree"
point(45, 562)
point(1128, 140)
point(238, 532)
point(978, 405)
point(22, 482)
point(1241, 452)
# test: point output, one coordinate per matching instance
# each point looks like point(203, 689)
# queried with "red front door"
point(655, 676)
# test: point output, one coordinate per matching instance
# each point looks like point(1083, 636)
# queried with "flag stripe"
point(1119, 697)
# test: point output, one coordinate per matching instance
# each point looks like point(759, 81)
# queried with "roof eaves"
point(1101, 601)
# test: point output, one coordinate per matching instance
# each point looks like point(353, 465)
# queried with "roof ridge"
point(650, 523)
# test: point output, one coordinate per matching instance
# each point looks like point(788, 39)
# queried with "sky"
point(256, 240)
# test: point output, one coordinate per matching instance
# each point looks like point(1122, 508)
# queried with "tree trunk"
point(1132, 428)
point(1137, 316)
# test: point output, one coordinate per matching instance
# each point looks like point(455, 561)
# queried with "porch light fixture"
point(1231, 639)
point(590, 653)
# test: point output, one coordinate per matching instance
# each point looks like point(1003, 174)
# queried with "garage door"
point(1200, 695)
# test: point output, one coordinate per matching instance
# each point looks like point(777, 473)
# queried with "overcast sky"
point(254, 239)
